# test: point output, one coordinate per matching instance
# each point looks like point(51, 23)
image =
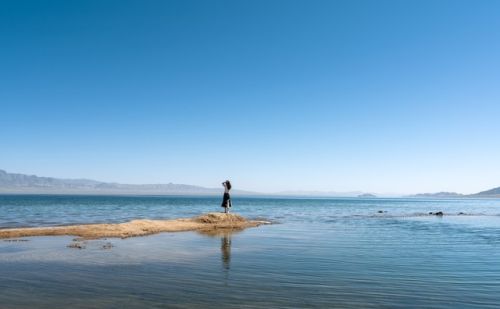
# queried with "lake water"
point(319, 253)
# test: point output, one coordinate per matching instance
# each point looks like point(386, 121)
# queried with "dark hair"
point(228, 184)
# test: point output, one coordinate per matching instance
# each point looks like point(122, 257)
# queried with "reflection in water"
point(225, 243)
point(225, 249)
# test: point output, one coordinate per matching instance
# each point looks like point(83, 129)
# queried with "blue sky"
point(378, 96)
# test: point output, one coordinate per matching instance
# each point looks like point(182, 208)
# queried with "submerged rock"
point(15, 240)
point(107, 246)
point(77, 245)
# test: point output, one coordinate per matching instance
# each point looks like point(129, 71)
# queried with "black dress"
point(226, 200)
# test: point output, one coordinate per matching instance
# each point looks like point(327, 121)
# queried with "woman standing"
point(226, 199)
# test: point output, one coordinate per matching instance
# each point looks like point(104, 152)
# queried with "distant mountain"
point(493, 193)
point(31, 184)
point(367, 195)
point(21, 183)
point(318, 193)
point(11, 180)
point(488, 193)
point(438, 195)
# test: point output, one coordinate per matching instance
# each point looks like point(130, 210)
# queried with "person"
point(226, 199)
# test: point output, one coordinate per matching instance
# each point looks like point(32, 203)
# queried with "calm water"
point(321, 253)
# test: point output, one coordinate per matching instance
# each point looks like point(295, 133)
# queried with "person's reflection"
point(225, 244)
point(225, 249)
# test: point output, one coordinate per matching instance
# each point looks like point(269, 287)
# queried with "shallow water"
point(321, 253)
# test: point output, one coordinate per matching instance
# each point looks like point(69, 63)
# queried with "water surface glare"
point(322, 253)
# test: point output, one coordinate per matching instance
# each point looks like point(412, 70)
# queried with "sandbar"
point(207, 223)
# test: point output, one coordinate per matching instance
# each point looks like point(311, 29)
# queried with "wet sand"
point(207, 223)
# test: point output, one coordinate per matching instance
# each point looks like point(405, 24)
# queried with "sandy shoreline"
point(208, 223)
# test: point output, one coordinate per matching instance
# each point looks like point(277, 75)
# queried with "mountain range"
point(438, 195)
point(30, 184)
point(495, 192)
point(21, 183)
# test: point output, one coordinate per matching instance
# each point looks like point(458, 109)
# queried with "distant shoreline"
point(13, 183)
point(256, 196)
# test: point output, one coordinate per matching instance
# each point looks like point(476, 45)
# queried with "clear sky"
point(378, 96)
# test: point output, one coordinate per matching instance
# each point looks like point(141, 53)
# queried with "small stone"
point(107, 246)
point(77, 245)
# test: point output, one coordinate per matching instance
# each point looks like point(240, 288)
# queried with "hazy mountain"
point(318, 193)
point(21, 180)
point(495, 193)
point(31, 184)
point(438, 195)
point(488, 193)
point(20, 183)
point(367, 195)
